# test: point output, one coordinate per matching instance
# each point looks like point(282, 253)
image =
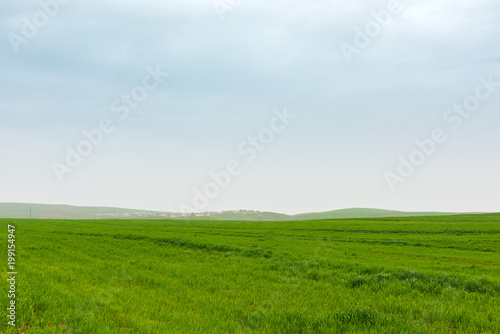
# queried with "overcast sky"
point(361, 92)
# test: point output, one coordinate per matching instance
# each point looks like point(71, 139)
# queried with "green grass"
point(382, 275)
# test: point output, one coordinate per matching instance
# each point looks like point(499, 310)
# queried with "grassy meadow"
point(383, 275)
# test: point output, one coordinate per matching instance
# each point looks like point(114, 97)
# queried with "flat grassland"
point(384, 275)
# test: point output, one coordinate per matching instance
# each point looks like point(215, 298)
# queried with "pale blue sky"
point(353, 120)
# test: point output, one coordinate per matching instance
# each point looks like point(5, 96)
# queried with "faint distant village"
point(155, 214)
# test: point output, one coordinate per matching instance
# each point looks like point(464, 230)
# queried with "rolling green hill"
point(51, 211)
point(364, 213)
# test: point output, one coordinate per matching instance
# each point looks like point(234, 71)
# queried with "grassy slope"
point(364, 213)
point(391, 275)
point(335, 214)
point(44, 211)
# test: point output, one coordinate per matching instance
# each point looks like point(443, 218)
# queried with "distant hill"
point(51, 211)
point(365, 213)
point(336, 214)
point(56, 211)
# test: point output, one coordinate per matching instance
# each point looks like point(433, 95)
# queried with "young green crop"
point(386, 275)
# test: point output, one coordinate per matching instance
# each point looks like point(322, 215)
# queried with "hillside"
point(364, 213)
point(51, 211)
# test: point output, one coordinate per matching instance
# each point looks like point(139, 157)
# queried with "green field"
point(382, 275)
